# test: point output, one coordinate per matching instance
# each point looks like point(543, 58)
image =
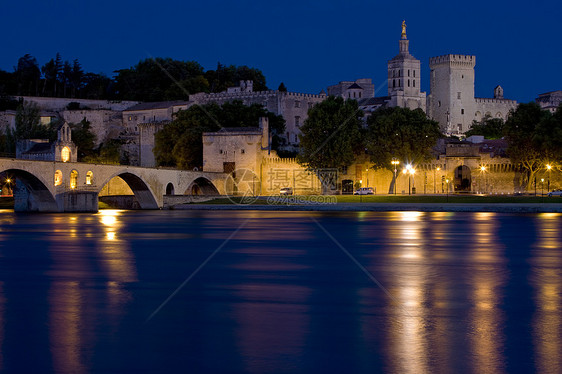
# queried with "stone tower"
point(451, 99)
point(404, 78)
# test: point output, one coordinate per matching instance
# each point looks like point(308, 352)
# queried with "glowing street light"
point(410, 170)
point(447, 180)
point(437, 168)
point(542, 185)
point(395, 163)
point(482, 171)
point(548, 168)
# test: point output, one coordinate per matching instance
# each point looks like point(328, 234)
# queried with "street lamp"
point(412, 172)
point(482, 172)
point(360, 192)
point(548, 168)
point(447, 180)
point(542, 185)
point(438, 168)
point(395, 163)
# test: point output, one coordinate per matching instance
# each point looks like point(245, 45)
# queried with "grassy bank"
point(391, 199)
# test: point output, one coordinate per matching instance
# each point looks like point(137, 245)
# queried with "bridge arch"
point(170, 189)
point(38, 196)
point(144, 195)
point(201, 186)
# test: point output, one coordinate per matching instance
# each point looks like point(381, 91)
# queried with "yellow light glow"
point(65, 154)
point(438, 168)
point(548, 167)
point(58, 178)
point(483, 168)
point(8, 180)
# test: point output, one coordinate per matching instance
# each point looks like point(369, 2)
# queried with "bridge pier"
point(42, 201)
point(78, 201)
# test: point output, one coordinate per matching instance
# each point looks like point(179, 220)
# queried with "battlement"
point(482, 100)
point(243, 95)
point(454, 60)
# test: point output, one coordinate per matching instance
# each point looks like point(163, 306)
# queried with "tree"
point(84, 139)
point(27, 75)
point(282, 87)
point(331, 136)
point(488, 127)
point(179, 144)
point(397, 132)
point(28, 124)
point(158, 79)
point(230, 76)
point(526, 130)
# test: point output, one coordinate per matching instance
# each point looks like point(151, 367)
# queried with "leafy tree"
point(84, 139)
point(397, 132)
point(28, 124)
point(180, 144)
point(230, 76)
point(27, 75)
point(153, 80)
point(331, 136)
point(526, 130)
point(282, 87)
point(490, 128)
point(8, 83)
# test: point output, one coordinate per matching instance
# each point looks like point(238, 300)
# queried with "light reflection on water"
point(487, 279)
point(281, 296)
point(546, 278)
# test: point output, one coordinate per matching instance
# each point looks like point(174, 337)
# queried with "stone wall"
point(105, 124)
point(58, 104)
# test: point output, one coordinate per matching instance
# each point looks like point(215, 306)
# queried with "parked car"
point(364, 191)
point(286, 191)
point(555, 193)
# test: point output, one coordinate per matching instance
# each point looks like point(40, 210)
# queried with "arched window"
point(408, 83)
point(65, 154)
point(414, 82)
point(393, 83)
point(73, 179)
point(89, 177)
point(58, 178)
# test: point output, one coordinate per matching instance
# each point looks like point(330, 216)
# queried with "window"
point(310, 105)
point(65, 154)
point(220, 151)
point(414, 82)
point(408, 83)
point(408, 72)
point(58, 178)
point(89, 177)
point(297, 104)
point(393, 83)
point(130, 118)
point(439, 103)
point(458, 95)
point(242, 151)
point(414, 74)
point(360, 94)
point(73, 179)
point(462, 111)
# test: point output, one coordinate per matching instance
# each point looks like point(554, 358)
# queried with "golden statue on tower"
point(404, 28)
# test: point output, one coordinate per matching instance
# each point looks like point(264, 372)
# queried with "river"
point(280, 292)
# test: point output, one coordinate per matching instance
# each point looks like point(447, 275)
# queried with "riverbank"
point(387, 207)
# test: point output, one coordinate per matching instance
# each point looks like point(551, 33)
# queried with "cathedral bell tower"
point(404, 79)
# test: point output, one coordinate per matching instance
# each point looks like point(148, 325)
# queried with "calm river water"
point(280, 292)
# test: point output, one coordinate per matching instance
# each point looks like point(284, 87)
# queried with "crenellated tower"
point(451, 100)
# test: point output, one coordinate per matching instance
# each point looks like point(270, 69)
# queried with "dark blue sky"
point(306, 44)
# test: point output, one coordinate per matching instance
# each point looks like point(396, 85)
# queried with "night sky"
point(308, 45)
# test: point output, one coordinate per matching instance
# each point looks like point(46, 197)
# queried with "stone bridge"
point(54, 186)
